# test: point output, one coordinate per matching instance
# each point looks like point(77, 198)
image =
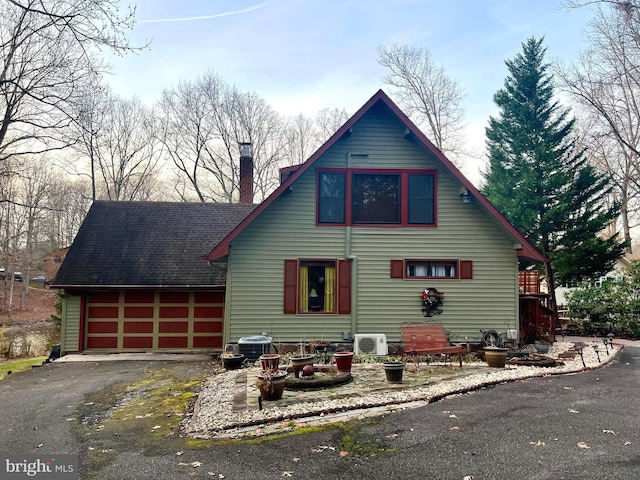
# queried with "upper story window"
point(380, 197)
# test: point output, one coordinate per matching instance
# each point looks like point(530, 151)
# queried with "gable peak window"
point(376, 197)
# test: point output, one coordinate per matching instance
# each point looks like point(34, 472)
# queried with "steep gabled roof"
point(528, 251)
point(148, 244)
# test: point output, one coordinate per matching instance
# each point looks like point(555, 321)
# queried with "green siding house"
point(346, 245)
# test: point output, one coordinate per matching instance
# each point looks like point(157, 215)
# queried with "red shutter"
point(397, 269)
point(290, 286)
point(344, 286)
point(466, 269)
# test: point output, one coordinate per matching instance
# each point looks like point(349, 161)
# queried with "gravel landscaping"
point(215, 414)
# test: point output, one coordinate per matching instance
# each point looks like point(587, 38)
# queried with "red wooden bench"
point(420, 339)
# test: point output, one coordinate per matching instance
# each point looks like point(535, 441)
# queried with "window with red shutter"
point(466, 269)
point(397, 268)
point(344, 286)
point(317, 286)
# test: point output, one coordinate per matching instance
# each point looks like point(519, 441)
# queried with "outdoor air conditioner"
point(370, 344)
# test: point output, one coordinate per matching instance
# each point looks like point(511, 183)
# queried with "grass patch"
point(15, 366)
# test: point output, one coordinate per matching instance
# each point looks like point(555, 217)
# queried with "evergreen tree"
point(541, 181)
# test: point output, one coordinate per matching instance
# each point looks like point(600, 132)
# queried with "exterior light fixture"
point(595, 348)
point(465, 195)
point(606, 344)
point(579, 350)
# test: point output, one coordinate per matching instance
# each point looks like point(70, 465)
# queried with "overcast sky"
point(305, 55)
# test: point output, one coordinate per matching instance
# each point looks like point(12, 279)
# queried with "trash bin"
point(254, 346)
point(55, 352)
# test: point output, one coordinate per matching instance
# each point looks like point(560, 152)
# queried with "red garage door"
point(154, 320)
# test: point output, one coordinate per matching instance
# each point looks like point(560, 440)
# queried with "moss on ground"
point(144, 415)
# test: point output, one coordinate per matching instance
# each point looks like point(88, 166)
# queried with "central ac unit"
point(370, 344)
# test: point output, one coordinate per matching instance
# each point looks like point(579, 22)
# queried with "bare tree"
point(128, 154)
point(48, 48)
point(256, 122)
point(328, 121)
point(69, 202)
point(605, 82)
point(304, 135)
point(300, 136)
point(203, 123)
point(426, 93)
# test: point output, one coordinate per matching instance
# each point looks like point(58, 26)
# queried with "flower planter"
point(298, 363)
point(542, 347)
point(393, 371)
point(343, 361)
point(271, 385)
point(495, 356)
point(270, 362)
point(233, 362)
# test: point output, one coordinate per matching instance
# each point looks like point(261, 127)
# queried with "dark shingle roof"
point(149, 244)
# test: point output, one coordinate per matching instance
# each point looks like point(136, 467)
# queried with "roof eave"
point(61, 286)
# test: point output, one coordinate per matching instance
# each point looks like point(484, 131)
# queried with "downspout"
point(350, 256)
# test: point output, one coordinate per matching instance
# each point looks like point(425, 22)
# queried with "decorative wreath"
point(431, 301)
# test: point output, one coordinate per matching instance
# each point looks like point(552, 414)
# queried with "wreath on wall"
point(431, 301)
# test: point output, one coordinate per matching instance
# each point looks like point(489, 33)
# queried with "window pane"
point(331, 197)
point(432, 269)
point(421, 198)
point(376, 198)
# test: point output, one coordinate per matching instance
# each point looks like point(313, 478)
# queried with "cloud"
point(205, 17)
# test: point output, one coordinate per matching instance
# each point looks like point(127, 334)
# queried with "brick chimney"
point(246, 173)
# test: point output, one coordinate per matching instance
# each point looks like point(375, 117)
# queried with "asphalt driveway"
point(563, 427)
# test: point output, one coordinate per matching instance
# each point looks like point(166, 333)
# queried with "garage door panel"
point(138, 312)
point(207, 342)
point(173, 342)
point(174, 327)
point(207, 327)
point(137, 342)
point(208, 312)
point(174, 312)
point(103, 327)
point(138, 327)
point(102, 342)
point(143, 296)
point(103, 312)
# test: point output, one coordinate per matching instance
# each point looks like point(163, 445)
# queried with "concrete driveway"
point(564, 427)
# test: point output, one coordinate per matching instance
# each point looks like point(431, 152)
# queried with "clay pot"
point(271, 385)
point(343, 361)
point(298, 363)
point(496, 357)
point(393, 371)
point(270, 362)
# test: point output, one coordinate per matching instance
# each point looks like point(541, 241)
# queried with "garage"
point(143, 320)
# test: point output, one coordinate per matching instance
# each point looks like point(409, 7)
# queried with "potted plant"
point(271, 384)
point(344, 361)
point(542, 347)
point(232, 361)
point(393, 369)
